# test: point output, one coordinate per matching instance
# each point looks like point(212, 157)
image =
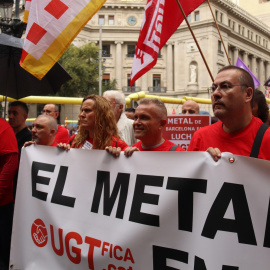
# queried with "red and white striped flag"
point(51, 27)
point(161, 19)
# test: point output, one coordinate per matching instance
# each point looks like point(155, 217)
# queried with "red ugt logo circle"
point(39, 233)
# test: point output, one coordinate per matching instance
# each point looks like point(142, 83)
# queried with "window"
point(248, 34)
point(239, 28)
point(251, 35)
point(101, 19)
point(197, 16)
point(216, 15)
point(106, 50)
point(229, 23)
point(189, 18)
point(220, 47)
point(131, 50)
point(156, 82)
point(233, 25)
point(243, 31)
point(105, 79)
point(128, 82)
point(111, 20)
point(221, 17)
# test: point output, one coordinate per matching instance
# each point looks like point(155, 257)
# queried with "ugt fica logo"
point(39, 233)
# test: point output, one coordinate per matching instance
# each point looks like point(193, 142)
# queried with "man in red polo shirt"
point(8, 168)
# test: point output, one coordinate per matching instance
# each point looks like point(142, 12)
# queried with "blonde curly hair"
point(105, 125)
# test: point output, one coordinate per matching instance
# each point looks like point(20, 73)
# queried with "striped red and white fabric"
point(161, 19)
point(51, 27)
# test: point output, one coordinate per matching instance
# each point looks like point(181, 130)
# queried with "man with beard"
point(232, 97)
point(43, 131)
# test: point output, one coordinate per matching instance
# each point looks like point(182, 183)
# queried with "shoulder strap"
point(173, 148)
point(258, 140)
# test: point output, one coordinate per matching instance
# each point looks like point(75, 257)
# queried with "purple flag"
point(241, 64)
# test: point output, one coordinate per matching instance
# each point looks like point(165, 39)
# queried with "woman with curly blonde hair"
point(98, 127)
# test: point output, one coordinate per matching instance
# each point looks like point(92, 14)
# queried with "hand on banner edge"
point(64, 146)
point(29, 143)
point(215, 153)
point(114, 151)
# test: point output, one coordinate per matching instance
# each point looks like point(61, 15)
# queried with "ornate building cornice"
point(243, 15)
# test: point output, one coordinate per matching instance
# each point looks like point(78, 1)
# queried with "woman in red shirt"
point(98, 127)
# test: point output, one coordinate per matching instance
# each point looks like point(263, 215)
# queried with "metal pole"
point(198, 46)
point(17, 10)
point(100, 60)
point(219, 32)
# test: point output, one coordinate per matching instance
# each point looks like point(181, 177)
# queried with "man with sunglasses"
point(232, 97)
point(62, 135)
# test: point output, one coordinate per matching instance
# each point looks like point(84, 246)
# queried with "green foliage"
point(80, 63)
point(110, 85)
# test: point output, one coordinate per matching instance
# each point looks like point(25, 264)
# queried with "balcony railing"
point(106, 55)
point(134, 89)
point(157, 89)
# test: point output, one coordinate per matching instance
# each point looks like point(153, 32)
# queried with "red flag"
point(161, 19)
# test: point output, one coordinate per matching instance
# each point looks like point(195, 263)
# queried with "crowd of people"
point(104, 124)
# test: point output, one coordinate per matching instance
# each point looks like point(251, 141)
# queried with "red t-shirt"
point(61, 135)
point(54, 144)
point(8, 161)
point(165, 146)
point(238, 143)
point(114, 142)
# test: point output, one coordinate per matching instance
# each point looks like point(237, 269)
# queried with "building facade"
point(258, 8)
point(180, 69)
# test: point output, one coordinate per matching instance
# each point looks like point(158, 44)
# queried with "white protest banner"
point(155, 210)
point(180, 128)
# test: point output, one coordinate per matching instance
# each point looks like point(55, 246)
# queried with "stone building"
point(258, 8)
point(180, 69)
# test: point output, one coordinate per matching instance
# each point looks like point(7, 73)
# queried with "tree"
point(110, 85)
point(80, 63)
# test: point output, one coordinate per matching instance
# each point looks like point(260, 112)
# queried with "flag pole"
point(198, 46)
point(219, 32)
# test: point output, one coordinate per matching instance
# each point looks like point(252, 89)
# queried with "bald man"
point(43, 131)
point(190, 107)
point(61, 135)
